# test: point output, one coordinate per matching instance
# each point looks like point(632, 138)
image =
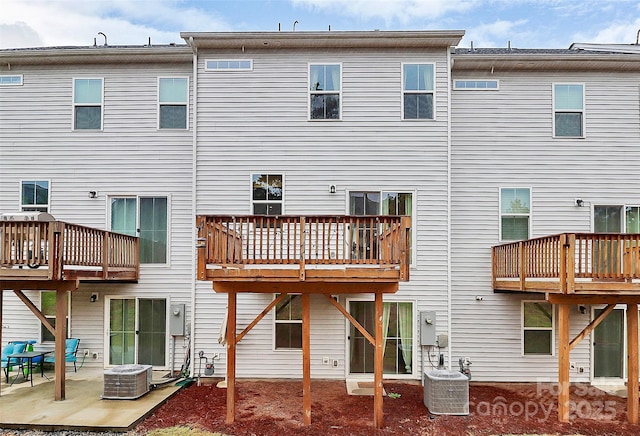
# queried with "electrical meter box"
point(428, 328)
point(177, 320)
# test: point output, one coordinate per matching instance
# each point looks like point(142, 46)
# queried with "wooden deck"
point(570, 263)
point(33, 251)
point(303, 249)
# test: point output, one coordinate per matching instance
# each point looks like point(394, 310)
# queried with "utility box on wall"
point(428, 328)
point(177, 320)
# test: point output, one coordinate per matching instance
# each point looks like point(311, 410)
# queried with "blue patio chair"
point(8, 363)
point(70, 352)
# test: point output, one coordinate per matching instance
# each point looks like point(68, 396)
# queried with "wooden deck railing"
point(243, 241)
point(55, 250)
point(569, 262)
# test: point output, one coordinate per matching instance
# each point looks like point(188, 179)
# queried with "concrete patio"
point(26, 407)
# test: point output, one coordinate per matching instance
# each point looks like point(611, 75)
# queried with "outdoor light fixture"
point(332, 189)
point(93, 194)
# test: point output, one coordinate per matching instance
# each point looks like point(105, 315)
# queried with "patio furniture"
point(29, 357)
point(8, 361)
point(70, 352)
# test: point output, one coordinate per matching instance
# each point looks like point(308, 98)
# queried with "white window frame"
point(75, 105)
point(581, 111)
point(310, 92)
point(267, 201)
point(403, 92)
point(500, 214)
point(49, 317)
point(414, 196)
point(552, 329)
point(218, 69)
point(32, 206)
point(177, 103)
point(167, 263)
point(476, 81)
point(11, 83)
point(284, 321)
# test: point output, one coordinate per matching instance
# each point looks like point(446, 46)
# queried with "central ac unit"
point(446, 392)
point(126, 382)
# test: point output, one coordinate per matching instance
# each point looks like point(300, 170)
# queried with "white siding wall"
point(504, 139)
point(257, 122)
point(129, 157)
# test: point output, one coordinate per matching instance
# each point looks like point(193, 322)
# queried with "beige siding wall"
point(257, 122)
point(130, 156)
point(504, 139)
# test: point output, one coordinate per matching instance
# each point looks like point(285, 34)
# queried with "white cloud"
point(64, 22)
point(619, 32)
point(498, 34)
point(391, 11)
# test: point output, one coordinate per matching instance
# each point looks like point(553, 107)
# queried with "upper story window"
point(324, 91)
point(146, 217)
point(515, 211)
point(11, 80)
point(228, 65)
point(34, 196)
point(537, 327)
point(87, 104)
point(418, 91)
point(173, 95)
point(568, 110)
point(266, 194)
point(476, 85)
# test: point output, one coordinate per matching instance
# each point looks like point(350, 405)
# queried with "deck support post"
point(632, 363)
point(378, 416)
point(61, 336)
point(231, 358)
point(1, 298)
point(563, 362)
point(306, 360)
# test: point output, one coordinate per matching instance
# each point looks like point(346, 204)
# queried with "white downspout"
point(449, 68)
point(194, 235)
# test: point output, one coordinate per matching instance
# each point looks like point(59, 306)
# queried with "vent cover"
point(446, 392)
point(126, 382)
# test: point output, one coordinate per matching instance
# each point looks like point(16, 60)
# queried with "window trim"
point(252, 201)
point(283, 321)
point(222, 70)
point(432, 92)
point(22, 207)
point(414, 211)
point(457, 88)
point(530, 214)
point(552, 329)
point(582, 111)
point(75, 105)
point(20, 76)
point(185, 103)
point(138, 197)
point(310, 92)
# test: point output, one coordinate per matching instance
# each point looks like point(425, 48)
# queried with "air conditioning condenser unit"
point(446, 392)
point(127, 382)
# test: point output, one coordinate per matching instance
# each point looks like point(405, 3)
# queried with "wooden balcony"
point(60, 251)
point(570, 263)
point(303, 249)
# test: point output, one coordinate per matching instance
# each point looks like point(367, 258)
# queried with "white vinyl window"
point(418, 91)
point(537, 327)
point(34, 195)
point(146, 217)
point(476, 85)
point(568, 110)
point(48, 309)
point(87, 104)
point(11, 80)
point(266, 194)
point(173, 95)
point(324, 91)
point(288, 323)
point(515, 213)
point(228, 65)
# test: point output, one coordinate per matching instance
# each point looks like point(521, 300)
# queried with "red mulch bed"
point(275, 408)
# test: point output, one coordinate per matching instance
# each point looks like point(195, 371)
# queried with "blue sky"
point(488, 23)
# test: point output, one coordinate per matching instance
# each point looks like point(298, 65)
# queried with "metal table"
point(29, 356)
